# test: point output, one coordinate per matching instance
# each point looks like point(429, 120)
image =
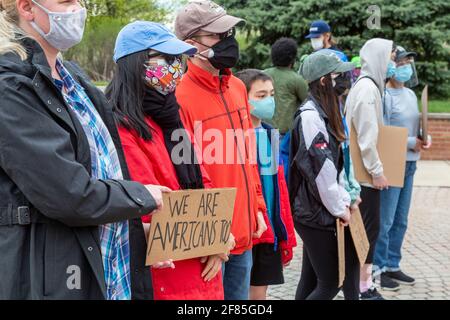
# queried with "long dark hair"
point(328, 100)
point(126, 93)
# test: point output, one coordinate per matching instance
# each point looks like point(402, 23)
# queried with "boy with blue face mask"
point(400, 109)
point(274, 249)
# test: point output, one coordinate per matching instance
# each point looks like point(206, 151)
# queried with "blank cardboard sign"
point(425, 115)
point(392, 147)
point(359, 236)
point(341, 251)
point(192, 223)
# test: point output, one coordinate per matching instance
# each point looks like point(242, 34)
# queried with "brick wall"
point(439, 129)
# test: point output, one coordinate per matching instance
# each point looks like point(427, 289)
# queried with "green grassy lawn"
point(435, 106)
point(101, 83)
point(439, 106)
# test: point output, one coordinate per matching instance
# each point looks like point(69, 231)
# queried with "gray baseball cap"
point(402, 53)
point(321, 63)
point(203, 15)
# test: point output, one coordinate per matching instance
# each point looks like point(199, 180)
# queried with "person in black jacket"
point(56, 203)
point(316, 186)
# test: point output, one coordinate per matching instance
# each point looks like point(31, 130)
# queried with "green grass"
point(101, 83)
point(438, 106)
point(434, 106)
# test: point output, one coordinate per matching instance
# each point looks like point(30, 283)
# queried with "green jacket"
point(290, 91)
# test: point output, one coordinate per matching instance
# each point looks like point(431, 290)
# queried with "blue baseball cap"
point(144, 35)
point(317, 28)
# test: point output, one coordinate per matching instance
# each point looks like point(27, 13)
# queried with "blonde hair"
point(10, 33)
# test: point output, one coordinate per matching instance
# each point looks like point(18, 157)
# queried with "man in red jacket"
point(214, 104)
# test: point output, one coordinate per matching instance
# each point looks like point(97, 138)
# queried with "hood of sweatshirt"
point(375, 56)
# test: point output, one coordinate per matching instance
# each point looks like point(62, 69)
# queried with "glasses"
point(224, 35)
point(169, 58)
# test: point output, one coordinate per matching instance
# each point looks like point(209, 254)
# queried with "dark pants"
point(320, 267)
point(370, 212)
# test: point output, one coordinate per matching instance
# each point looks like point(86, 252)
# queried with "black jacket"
point(316, 186)
point(50, 208)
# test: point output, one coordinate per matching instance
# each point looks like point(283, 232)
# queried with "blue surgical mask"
point(403, 73)
point(263, 109)
point(390, 69)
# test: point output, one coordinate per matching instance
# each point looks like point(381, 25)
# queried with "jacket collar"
point(318, 107)
point(207, 80)
point(36, 56)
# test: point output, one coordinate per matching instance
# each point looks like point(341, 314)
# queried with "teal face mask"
point(263, 109)
point(390, 70)
point(403, 73)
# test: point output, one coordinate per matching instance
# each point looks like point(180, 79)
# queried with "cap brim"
point(406, 54)
point(175, 47)
point(313, 35)
point(344, 67)
point(223, 24)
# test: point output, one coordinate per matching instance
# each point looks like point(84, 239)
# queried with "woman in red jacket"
point(149, 67)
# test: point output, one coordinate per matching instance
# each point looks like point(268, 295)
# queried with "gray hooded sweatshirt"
point(364, 111)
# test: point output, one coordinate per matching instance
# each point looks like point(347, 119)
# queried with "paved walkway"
point(426, 251)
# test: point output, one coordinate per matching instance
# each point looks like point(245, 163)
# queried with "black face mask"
point(226, 53)
point(343, 83)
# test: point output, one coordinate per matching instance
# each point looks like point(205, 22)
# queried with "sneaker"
point(371, 294)
point(387, 283)
point(400, 277)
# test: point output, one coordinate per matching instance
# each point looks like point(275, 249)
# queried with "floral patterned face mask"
point(163, 76)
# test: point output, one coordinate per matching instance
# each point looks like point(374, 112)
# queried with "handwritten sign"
point(192, 223)
point(341, 251)
point(359, 236)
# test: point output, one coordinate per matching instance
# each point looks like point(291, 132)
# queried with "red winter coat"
point(150, 163)
point(212, 104)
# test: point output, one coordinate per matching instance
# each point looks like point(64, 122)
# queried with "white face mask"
point(317, 43)
point(66, 28)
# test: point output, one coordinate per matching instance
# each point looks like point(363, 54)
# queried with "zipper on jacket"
point(243, 133)
point(242, 164)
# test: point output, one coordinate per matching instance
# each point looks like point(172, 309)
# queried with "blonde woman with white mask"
point(70, 223)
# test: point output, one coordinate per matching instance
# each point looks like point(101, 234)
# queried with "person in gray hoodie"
point(364, 115)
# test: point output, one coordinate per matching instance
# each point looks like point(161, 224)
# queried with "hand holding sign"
point(345, 219)
point(355, 205)
point(156, 192)
point(164, 264)
point(427, 145)
point(214, 262)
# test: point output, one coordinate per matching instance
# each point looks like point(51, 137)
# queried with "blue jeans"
point(395, 203)
point(236, 276)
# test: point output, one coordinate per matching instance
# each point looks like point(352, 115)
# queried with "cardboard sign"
point(192, 223)
point(359, 236)
point(341, 251)
point(425, 114)
point(392, 147)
